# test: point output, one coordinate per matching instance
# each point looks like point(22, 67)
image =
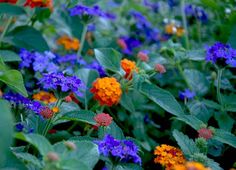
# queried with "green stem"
point(82, 39)
point(199, 32)
point(90, 131)
point(5, 28)
point(184, 20)
point(219, 97)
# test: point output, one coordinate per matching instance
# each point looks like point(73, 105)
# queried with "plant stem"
point(184, 20)
point(82, 39)
point(5, 28)
point(199, 32)
point(219, 75)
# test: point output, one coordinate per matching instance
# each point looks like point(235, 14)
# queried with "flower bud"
point(52, 157)
point(143, 56)
point(205, 133)
point(70, 145)
point(160, 68)
point(68, 99)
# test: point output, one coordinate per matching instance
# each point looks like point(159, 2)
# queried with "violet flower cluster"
point(186, 94)
point(124, 150)
point(58, 81)
point(96, 66)
point(41, 62)
point(221, 54)
point(21, 100)
point(130, 44)
point(196, 12)
point(94, 11)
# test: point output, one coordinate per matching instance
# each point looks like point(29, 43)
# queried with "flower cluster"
point(21, 100)
point(107, 91)
point(186, 94)
point(103, 119)
point(191, 166)
point(174, 29)
point(39, 3)
point(221, 54)
point(82, 10)
point(68, 43)
point(128, 44)
point(205, 133)
point(42, 62)
point(46, 112)
point(96, 66)
point(196, 12)
point(58, 81)
point(45, 97)
point(129, 67)
point(124, 150)
point(168, 156)
point(9, 1)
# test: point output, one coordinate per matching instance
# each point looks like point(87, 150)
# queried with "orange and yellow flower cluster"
point(174, 30)
point(39, 3)
point(45, 97)
point(168, 156)
point(191, 166)
point(107, 91)
point(129, 67)
point(69, 43)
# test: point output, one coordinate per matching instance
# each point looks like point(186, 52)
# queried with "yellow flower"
point(168, 156)
point(45, 97)
point(190, 166)
point(129, 67)
point(55, 109)
point(107, 91)
point(69, 43)
point(174, 30)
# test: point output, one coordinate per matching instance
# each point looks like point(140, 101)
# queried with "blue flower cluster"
point(196, 12)
point(186, 94)
point(96, 66)
point(58, 81)
point(41, 62)
point(222, 54)
point(27, 103)
point(130, 43)
point(71, 59)
point(82, 10)
point(144, 27)
point(124, 150)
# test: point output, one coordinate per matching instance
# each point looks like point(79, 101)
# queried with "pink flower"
point(143, 56)
point(205, 133)
point(68, 99)
point(121, 43)
point(103, 119)
point(160, 68)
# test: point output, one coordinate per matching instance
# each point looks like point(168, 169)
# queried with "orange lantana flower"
point(69, 43)
point(129, 67)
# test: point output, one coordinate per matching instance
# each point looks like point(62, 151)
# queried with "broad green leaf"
point(10, 9)
point(126, 102)
point(192, 121)
point(196, 55)
point(86, 152)
point(225, 122)
point(186, 144)
point(38, 141)
point(232, 37)
point(9, 56)
point(113, 130)
point(85, 116)
point(225, 137)
point(197, 81)
point(27, 37)
point(6, 126)
point(213, 165)
point(163, 98)
point(29, 159)
point(14, 80)
point(211, 104)
point(108, 58)
point(210, 4)
point(127, 166)
point(230, 102)
point(42, 13)
point(73, 164)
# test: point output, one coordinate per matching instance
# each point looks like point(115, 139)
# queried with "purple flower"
point(71, 59)
point(27, 103)
point(26, 57)
point(221, 54)
point(96, 66)
point(154, 6)
point(125, 150)
point(186, 94)
point(196, 12)
point(58, 81)
point(91, 27)
point(19, 127)
point(131, 43)
point(94, 11)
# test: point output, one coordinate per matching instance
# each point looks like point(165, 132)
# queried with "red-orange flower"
point(107, 91)
point(69, 43)
point(168, 156)
point(129, 67)
point(45, 97)
point(39, 3)
point(46, 112)
point(103, 119)
point(9, 1)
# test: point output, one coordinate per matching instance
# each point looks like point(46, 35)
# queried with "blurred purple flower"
point(26, 57)
point(58, 81)
point(91, 27)
point(125, 150)
point(196, 12)
point(186, 94)
point(221, 54)
point(19, 127)
point(71, 59)
point(96, 66)
point(131, 43)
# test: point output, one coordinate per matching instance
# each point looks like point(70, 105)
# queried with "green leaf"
point(232, 37)
point(192, 121)
point(187, 145)
point(212, 164)
point(196, 55)
point(197, 81)
point(127, 166)
point(86, 152)
point(6, 126)
point(225, 137)
point(85, 116)
point(113, 130)
point(73, 164)
point(10, 9)
point(29, 159)
point(9, 56)
point(230, 103)
point(38, 141)
point(126, 102)
point(14, 80)
point(163, 98)
point(210, 4)
point(211, 104)
point(225, 122)
point(27, 37)
point(108, 58)
point(42, 13)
